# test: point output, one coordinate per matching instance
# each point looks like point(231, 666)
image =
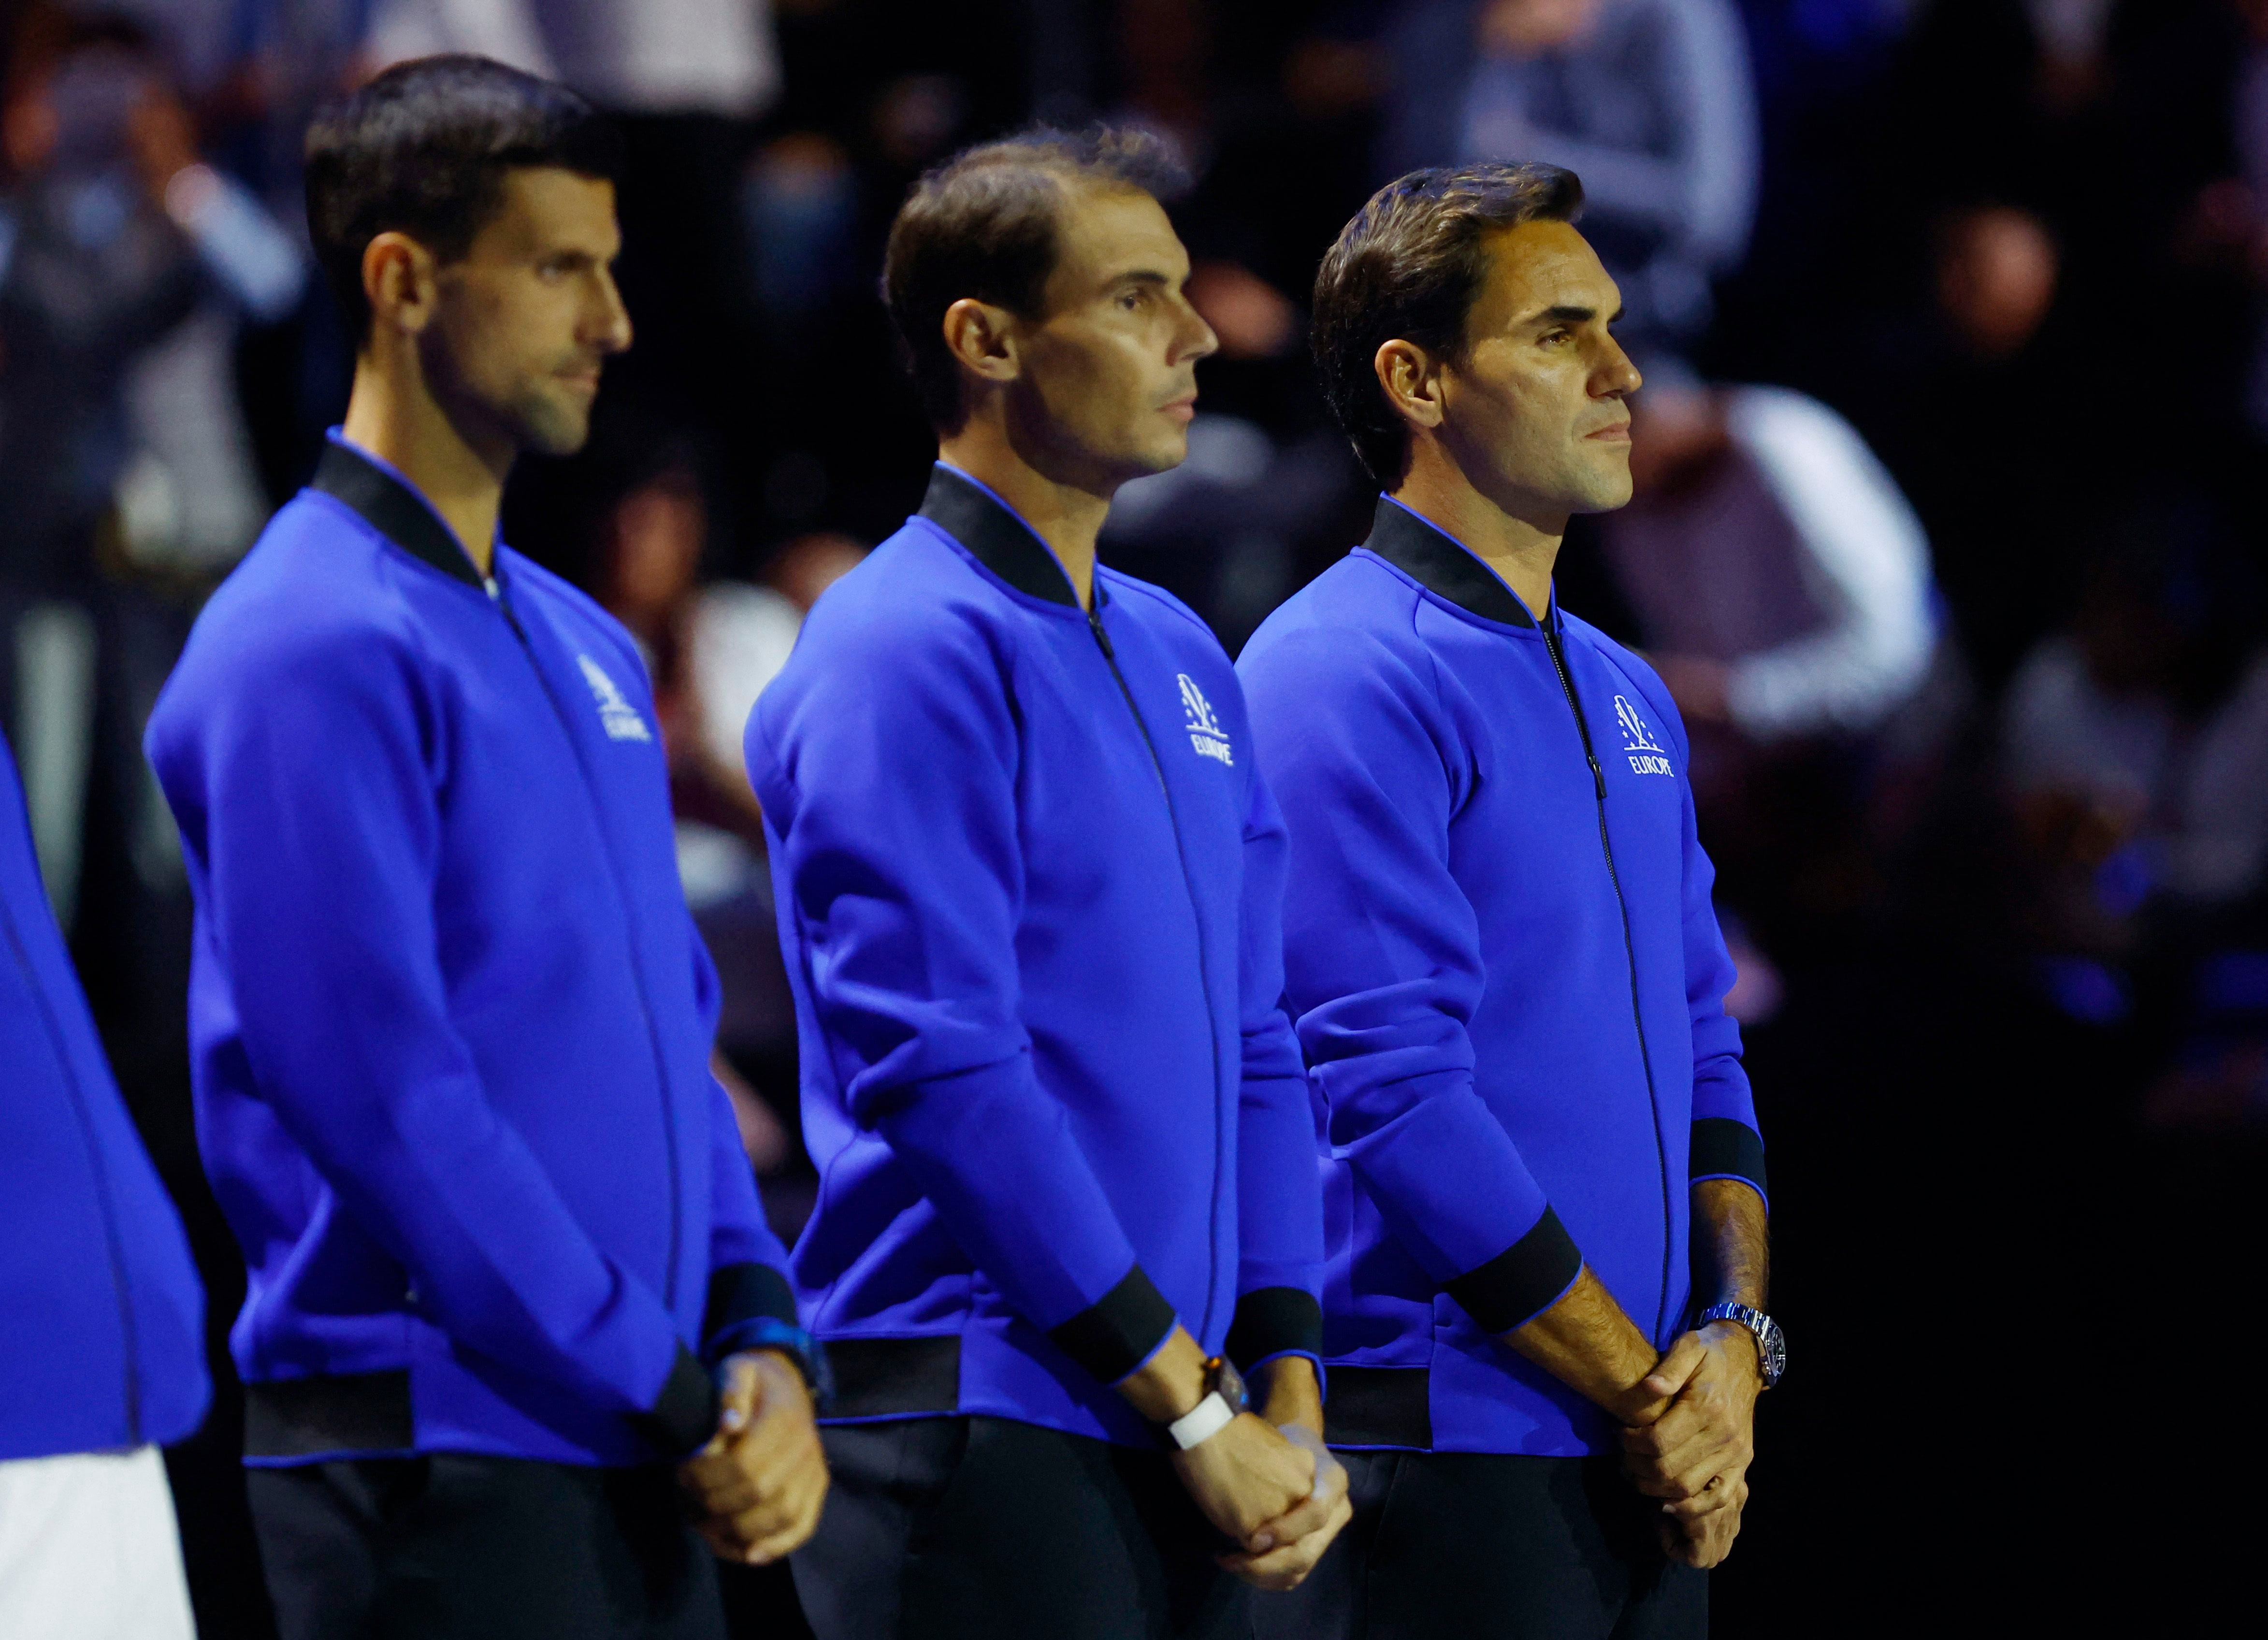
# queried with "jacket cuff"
point(684, 1415)
point(1724, 1148)
point(742, 1293)
point(1273, 1321)
point(1113, 1336)
point(1523, 1280)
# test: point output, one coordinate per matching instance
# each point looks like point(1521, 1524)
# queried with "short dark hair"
point(1408, 268)
point(422, 150)
point(983, 226)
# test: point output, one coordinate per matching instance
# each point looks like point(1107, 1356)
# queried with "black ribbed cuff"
point(684, 1415)
point(1522, 1280)
point(1119, 1331)
point(1725, 1149)
point(744, 1292)
point(1275, 1321)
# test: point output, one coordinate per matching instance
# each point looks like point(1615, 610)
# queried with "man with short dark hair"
point(1027, 880)
point(450, 1021)
point(1506, 972)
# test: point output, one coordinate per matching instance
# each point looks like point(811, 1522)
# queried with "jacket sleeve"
point(747, 1267)
point(1724, 1142)
point(889, 792)
point(323, 835)
point(1383, 968)
point(1279, 1183)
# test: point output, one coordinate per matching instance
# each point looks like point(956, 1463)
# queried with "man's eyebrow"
point(1145, 276)
point(1571, 314)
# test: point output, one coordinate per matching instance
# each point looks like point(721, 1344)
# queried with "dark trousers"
point(960, 1528)
point(439, 1547)
point(1470, 1546)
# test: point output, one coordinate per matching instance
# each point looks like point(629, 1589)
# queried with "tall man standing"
point(1506, 971)
point(1027, 881)
point(450, 1020)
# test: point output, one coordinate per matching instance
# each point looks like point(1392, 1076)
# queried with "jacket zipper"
point(130, 1336)
point(1549, 626)
point(637, 974)
point(1204, 977)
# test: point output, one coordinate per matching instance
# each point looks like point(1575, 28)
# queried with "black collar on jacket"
point(1435, 561)
point(391, 508)
point(996, 538)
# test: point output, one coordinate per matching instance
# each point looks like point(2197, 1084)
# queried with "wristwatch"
point(1772, 1346)
point(1224, 1398)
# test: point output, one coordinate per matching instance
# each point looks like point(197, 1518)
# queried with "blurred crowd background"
point(1951, 538)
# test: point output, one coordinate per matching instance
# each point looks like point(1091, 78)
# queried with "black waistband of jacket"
point(1379, 1407)
point(894, 1378)
point(364, 1413)
point(1440, 563)
point(393, 509)
point(995, 536)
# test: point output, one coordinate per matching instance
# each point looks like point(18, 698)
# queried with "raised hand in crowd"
point(759, 1485)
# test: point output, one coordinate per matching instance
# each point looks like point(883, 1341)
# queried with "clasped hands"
point(757, 1488)
point(1689, 1437)
point(1267, 1484)
point(1275, 1491)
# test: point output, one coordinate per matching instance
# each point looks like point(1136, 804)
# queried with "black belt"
point(362, 1413)
point(909, 1378)
point(894, 1378)
point(1379, 1407)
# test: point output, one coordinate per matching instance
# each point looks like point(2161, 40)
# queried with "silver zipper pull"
point(496, 593)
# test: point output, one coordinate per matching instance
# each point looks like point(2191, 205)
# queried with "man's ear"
point(983, 338)
point(1411, 378)
point(398, 276)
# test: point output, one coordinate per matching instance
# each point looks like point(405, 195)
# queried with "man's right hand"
point(1246, 1478)
point(759, 1484)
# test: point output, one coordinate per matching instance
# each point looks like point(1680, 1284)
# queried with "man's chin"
point(554, 430)
point(545, 424)
point(1165, 454)
point(1604, 490)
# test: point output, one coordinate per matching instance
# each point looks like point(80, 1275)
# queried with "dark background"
point(2015, 1103)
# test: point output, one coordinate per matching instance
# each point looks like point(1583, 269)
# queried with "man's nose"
point(612, 332)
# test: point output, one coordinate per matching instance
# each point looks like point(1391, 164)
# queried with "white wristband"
point(1208, 1418)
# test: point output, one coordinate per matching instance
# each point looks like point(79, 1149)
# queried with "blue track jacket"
point(1508, 980)
point(104, 1317)
point(450, 1020)
point(1027, 880)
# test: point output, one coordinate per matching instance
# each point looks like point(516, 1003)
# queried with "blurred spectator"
point(711, 647)
point(125, 265)
point(1781, 581)
point(1780, 584)
point(656, 57)
point(2136, 747)
point(1649, 101)
point(1985, 406)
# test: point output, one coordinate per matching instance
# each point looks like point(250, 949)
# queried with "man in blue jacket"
point(450, 1021)
point(1027, 880)
point(1506, 972)
point(105, 1359)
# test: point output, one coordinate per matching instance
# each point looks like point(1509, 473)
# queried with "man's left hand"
point(1706, 1539)
point(760, 1483)
point(1711, 1380)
